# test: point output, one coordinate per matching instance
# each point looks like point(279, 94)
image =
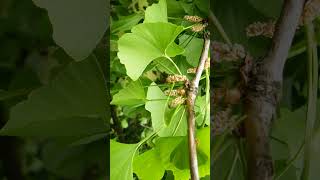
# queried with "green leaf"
point(175, 8)
point(167, 122)
point(165, 146)
point(179, 154)
point(193, 50)
point(279, 150)
point(5, 95)
point(174, 150)
point(121, 158)
point(89, 139)
point(126, 23)
point(73, 103)
point(223, 163)
point(153, 39)
point(271, 8)
point(200, 111)
point(71, 161)
point(293, 135)
point(78, 25)
point(148, 165)
point(131, 95)
point(165, 65)
point(289, 174)
point(203, 136)
point(203, 148)
point(156, 12)
point(315, 151)
point(76, 127)
point(202, 5)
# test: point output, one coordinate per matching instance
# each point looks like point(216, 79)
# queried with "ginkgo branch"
point(192, 94)
point(263, 93)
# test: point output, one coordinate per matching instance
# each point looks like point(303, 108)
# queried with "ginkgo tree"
point(154, 55)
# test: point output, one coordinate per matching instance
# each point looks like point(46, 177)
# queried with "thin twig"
point(192, 94)
point(219, 27)
point(282, 40)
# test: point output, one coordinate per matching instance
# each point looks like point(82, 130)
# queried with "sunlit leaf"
point(121, 159)
point(153, 39)
point(148, 165)
point(133, 94)
point(156, 12)
point(164, 122)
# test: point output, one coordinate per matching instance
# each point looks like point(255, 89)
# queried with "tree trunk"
point(263, 92)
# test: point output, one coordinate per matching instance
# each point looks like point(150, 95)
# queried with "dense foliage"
point(57, 93)
point(153, 52)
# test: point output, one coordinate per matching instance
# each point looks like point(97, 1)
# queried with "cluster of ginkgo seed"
point(223, 100)
point(310, 12)
point(228, 52)
point(175, 92)
point(222, 121)
point(177, 101)
point(179, 93)
point(176, 78)
point(199, 26)
point(261, 29)
point(194, 19)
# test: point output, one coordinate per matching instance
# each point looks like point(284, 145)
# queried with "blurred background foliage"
point(30, 59)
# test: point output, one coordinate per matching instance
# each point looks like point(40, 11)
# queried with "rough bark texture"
point(263, 93)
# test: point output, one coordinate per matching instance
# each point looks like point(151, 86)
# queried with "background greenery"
point(53, 92)
point(150, 41)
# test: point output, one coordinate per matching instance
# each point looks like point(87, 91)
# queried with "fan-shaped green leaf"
point(154, 40)
point(78, 25)
point(131, 95)
point(200, 111)
point(70, 162)
point(148, 166)
point(126, 23)
point(193, 49)
point(167, 122)
point(174, 150)
point(156, 12)
point(73, 105)
point(121, 158)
